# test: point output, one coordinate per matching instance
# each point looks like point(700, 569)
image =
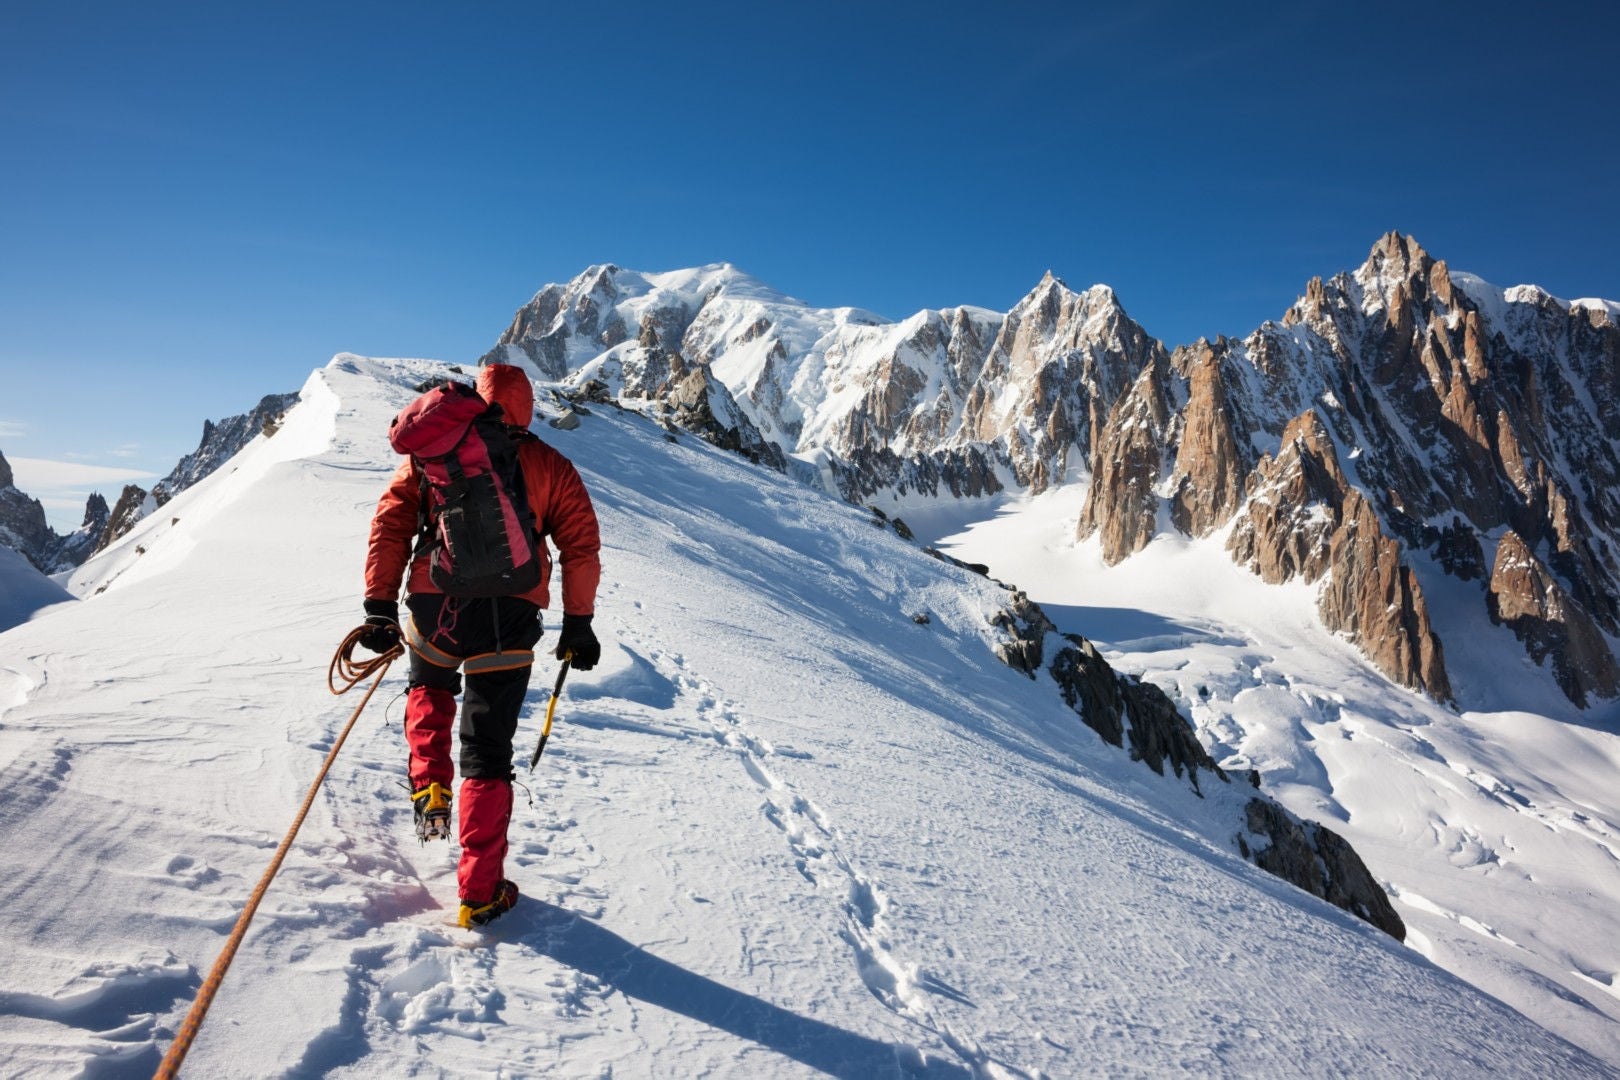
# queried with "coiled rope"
point(348, 671)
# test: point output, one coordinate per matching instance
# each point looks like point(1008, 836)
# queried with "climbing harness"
point(344, 669)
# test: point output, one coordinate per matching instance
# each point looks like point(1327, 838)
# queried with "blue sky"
point(200, 203)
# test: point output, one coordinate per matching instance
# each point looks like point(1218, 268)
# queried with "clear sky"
point(201, 202)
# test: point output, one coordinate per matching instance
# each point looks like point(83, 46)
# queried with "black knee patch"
point(433, 676)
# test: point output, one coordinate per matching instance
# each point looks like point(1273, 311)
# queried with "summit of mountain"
point(1448, 413)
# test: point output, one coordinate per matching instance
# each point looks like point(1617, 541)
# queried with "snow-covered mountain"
point(24, 530)
point(823, 809)
point(1402, 430)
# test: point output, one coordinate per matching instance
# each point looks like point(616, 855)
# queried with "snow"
point(1612, 307)
point(24, 591)
point(783, 830)
point(1496, 829)
point(799, 379)
point(1491, 300)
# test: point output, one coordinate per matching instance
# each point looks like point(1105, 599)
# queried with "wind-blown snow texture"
point(1495, 831)
point(783, 829)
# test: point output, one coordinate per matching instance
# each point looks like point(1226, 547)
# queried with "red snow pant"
point(491, 640)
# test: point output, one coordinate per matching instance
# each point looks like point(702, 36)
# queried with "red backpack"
point(477, 526)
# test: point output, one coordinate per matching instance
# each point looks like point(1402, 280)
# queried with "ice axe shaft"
point(551, 710)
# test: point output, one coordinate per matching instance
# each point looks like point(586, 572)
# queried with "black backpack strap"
point(424, 518)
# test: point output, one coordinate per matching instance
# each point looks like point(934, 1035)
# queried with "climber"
point(491, 635)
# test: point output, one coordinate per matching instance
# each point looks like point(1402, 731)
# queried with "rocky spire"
point(1304, 519)
point(1123, 503)
point(1210, 463)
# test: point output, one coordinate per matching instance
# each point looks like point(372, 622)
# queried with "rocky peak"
point(73, 549)
point(1303, 519)
point(1396, 260)
point(1210, 464)
point(1122, 504)
point(221, 441)
point(543, 329)
point(1058, 365)
point(1433, 397)
point(95, 511)
point(22, 522)
point(134, 503)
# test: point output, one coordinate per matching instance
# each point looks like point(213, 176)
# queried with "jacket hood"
point(508, 387)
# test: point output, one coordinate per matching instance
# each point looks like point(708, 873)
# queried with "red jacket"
point(562, 511)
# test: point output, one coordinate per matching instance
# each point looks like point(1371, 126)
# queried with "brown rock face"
point(1210, 466)
point(1123, 503)
point(22, 521)
point(1305, 520)
point(1319, 861)
point(1524, 595)
point(1448, 401)
point(701, 404)
point(126, 513)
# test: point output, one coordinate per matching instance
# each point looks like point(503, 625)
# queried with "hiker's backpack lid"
point(435, 422)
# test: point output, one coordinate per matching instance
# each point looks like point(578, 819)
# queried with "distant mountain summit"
point(1401, 424)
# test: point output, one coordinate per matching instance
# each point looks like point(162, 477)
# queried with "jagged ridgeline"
point(1399, 424)
point(22, 518)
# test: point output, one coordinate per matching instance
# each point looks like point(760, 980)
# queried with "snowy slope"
point(1497, 832)
point(783, 829)
point(24, 590)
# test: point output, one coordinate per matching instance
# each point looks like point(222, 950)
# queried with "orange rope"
point(349, 671)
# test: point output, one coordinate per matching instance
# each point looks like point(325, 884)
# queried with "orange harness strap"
point(510, 660)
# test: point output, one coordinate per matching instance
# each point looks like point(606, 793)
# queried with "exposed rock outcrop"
point(221, 441)
point(79, 545)
point(1304, 520)
point(1318, 860)
point(545, 329)
point(960, 472)
point(134, 503)
point(1057, 367)
point(1123, 502)
point(1525, 596)
point(22, 521)
point(1211, 463)
point(1121, 708)
point(701, 404)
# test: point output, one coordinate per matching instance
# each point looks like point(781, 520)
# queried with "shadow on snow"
point(594, 950)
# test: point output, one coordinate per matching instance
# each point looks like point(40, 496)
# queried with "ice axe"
point(551, 709)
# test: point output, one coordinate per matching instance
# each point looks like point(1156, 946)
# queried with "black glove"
point(382, 626)
point(576, 637)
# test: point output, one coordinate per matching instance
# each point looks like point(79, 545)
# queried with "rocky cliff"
point(1397, 424)
point(1403, 416)
point(22, 521)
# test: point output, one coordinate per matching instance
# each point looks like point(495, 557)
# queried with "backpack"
point(476, 524)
